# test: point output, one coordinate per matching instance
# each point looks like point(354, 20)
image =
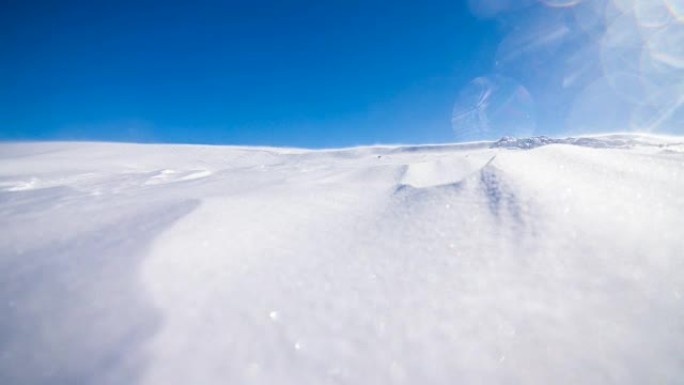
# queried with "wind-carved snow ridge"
point(460, 263)
point(484, 183)
point(499, 194)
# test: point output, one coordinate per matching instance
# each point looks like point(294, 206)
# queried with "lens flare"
point(561, 3)
point(676, 8)
point(531, 45)
point(493, 106)
point(623, 6)
point(662, 113)
point(621, 57)
point(596, 107)
point(590, 66)
point(667, 46)
point(651, 13)
point(589, 16)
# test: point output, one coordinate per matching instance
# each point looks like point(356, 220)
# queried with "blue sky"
point(301, 73)
point(311, 73)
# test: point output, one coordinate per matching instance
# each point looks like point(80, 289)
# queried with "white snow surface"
point(523, 261)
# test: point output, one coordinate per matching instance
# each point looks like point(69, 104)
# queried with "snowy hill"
point(533, 261)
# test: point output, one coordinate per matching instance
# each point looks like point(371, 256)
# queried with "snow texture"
point(522, 261)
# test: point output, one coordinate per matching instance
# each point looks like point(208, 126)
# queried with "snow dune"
point(522, 261)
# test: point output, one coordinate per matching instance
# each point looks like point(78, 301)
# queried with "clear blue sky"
point(299, 73)
point(325, 73)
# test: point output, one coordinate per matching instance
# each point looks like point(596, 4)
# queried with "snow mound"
point(531, 261)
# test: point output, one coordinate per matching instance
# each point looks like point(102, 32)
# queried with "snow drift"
point(523, 261)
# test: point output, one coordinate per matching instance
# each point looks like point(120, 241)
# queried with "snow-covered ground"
point(530, 261)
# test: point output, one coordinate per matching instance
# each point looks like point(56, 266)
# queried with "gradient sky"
point(296, 73)
point(338, 73)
